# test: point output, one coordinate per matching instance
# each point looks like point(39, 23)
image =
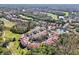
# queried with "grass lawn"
point(53, 16)
point(16, 50)
point(10, 35)
point(25, 17)
point(66, 13)
point(13, 47)
point(7, 23)
point(1, 40)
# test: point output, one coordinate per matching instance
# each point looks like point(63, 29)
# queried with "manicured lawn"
point(13, 47)
point(1, 40)
point(53, 16)
point(10, 35)
point(25, 17)
point(66, 13)
point(7, 23)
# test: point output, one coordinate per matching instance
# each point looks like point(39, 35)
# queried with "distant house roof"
point(34, 45)
point(24, 40)
point(37, 32)
point(52, 39)
point(49, 41)
point(40, 34)
point(60, 31)
point(61, 17)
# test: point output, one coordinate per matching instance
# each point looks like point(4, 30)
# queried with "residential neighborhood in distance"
point(39, 29)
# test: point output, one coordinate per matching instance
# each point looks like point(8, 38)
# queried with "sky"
point(39, 2)
point(55, 6)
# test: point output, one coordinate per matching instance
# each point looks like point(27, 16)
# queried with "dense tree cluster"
point(23, 27)
point(44, 50)
point(68, 44)
point(20, 28)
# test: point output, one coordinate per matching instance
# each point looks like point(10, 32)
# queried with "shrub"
point(77, 30)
